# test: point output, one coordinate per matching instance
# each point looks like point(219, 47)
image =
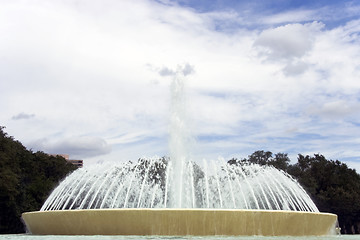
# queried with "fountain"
point(177, 196)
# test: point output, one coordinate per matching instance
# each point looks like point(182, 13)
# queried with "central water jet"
point(179, 139)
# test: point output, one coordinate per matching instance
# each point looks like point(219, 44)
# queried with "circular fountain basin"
point(169, 221)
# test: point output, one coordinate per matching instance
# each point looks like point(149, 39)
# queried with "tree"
point(333, 186)
point(281, 161)
point(26, 179)
point(260, 157)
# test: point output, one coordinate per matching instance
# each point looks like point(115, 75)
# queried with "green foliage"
point(333, 186)
point(26, 179)
point(280, 161)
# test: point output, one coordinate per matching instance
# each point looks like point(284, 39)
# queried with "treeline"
point(26, 179)
point(332, 185)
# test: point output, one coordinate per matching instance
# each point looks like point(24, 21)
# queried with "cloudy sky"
point(92, 78)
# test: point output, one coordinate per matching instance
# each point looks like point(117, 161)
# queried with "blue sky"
point(331, 12)
point(93, 78)
point(268, 7)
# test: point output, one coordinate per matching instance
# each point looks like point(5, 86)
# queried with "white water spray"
point(181, 183)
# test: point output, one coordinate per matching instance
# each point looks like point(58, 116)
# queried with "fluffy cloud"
point(76, 147)
point(339, 109)
point(186, 69)
point(289, 41)
point(103, 70)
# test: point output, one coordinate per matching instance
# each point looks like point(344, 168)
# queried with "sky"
point(92, 79)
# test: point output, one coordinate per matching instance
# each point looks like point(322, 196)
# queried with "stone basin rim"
point(184, 209)
point(180, 222)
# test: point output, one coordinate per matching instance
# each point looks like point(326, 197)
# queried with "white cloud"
point(76, 147)
point(185, 69)
point(339, 109)
point(295, 68)
point(289, 41)
point(102, 70)
point(164, 71)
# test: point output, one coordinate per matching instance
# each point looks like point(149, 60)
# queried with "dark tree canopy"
point(26, 179)
point(334, 187)
point(280, 161)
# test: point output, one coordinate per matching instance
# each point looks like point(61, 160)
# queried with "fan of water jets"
point(146, 185)
point(179, 183)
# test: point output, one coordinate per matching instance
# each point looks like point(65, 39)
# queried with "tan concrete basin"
point(168, 221)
